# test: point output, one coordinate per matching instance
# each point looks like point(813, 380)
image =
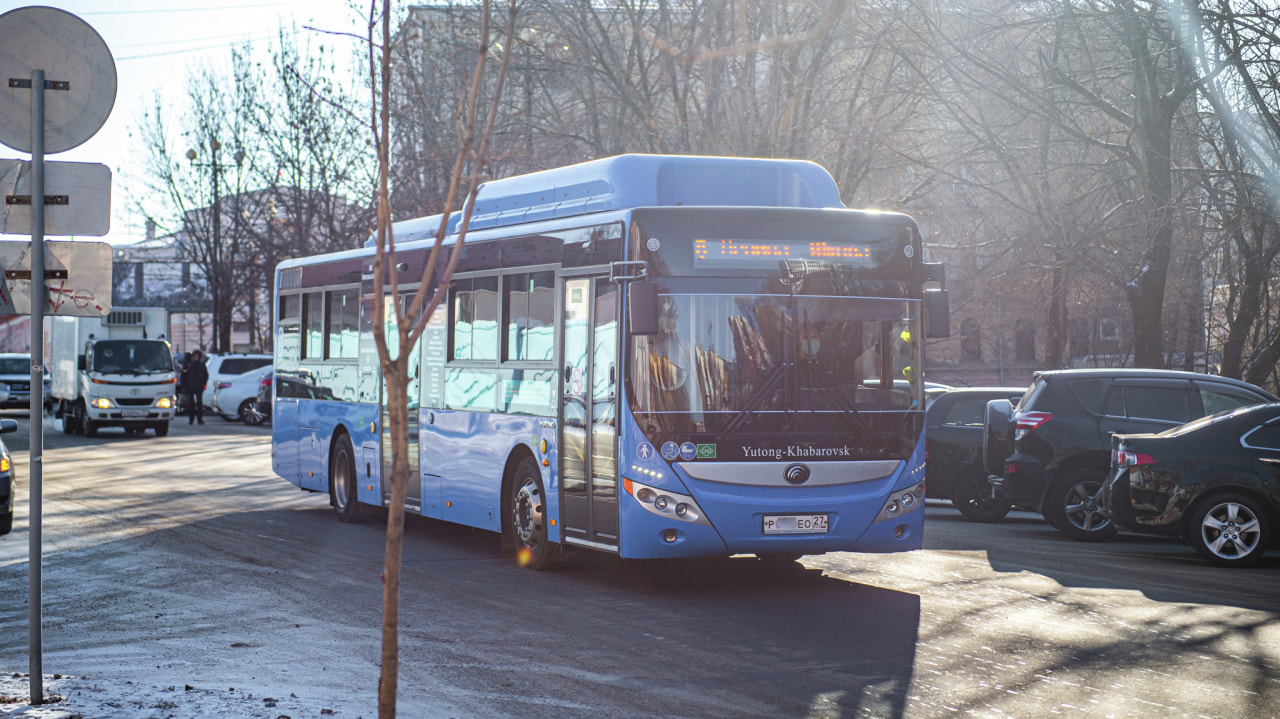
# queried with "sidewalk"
point(84, 698)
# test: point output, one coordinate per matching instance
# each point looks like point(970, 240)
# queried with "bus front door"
point(588, 413)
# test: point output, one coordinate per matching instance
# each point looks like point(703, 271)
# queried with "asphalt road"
point(184, 559)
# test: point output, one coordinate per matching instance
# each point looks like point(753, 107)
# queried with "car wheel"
point(1230, 530)
point(977, 500)
point(6, 522)
point(90, 427)
point(342, 480)
point(528, 523)
point(161, 428)
point(247, 415)
point(1072, 506)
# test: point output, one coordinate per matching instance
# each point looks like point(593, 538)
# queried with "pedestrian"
point(184, 399)
point(194, 380)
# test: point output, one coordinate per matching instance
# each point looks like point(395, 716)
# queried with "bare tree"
point(1231, 42)
point(201, 174)
point(409, 322)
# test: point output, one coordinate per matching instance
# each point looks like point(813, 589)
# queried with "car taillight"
point(1026, 422)
point(1123, 460)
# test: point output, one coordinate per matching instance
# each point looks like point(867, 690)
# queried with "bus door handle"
point(568, 372)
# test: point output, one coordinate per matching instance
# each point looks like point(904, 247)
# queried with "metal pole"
point(38, 297)
point(216, 280)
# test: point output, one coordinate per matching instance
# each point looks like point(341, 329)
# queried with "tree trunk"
point(1056, 343)
point(397, 382)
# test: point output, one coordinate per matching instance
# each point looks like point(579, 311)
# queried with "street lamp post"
point(215, 256)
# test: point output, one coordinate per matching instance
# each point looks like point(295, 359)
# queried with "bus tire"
point(342, 480)
point(527, 521)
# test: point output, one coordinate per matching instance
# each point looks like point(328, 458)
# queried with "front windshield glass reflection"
point(734, 365)
point(132, 357)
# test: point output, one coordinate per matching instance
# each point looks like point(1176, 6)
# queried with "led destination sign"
point(767, 253)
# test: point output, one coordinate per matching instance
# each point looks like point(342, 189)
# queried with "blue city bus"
point(651, 356)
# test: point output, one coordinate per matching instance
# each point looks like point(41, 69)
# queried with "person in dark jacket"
point(193, 381)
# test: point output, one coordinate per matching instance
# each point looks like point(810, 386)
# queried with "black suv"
point(953, 449)
point(1052, 452)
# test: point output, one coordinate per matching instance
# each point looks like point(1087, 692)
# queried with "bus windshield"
point(131, 357)
point(727, 366)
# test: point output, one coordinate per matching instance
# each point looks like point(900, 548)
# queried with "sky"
point(155, 43)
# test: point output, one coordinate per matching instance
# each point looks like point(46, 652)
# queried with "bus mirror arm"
point(642, 307)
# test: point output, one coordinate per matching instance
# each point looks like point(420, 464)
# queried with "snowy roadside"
point(85, 698)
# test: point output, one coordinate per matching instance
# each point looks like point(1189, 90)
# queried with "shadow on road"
point(1162, 569)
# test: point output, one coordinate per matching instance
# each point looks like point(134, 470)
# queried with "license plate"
point(133, 413)
point(795, 524)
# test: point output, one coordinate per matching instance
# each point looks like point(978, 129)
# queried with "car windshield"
point(15, 365)
point(131, 357)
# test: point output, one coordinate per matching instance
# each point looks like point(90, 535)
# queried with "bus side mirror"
point(937, 314)
point(642, 307)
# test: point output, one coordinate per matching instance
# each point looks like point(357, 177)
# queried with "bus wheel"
point(528, 516)
point(342, 480)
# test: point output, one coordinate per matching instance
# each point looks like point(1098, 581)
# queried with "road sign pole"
point(38, 295)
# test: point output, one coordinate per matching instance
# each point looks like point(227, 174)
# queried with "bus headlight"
point(101, 403)
point(902, 502)
point(665, 503)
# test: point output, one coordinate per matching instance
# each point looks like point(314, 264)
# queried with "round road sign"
point(79, 73)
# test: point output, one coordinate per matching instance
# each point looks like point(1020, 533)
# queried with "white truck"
point(113, 371)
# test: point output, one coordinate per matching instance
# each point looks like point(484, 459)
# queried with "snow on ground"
point(85, 698)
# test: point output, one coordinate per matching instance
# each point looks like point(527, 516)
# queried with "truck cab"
point(113, 373)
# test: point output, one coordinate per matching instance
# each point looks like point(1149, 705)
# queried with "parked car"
point(234, 397)
point(288, 387)
point(7, 482)
point(1214, 482)
point(15, 377)
point(1052, 452)
point(223, 367)
point(954, 421)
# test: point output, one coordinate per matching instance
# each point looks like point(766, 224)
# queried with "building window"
point(1024, 340)
point(970, 340)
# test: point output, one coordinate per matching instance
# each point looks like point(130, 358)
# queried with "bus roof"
point(627, 181)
